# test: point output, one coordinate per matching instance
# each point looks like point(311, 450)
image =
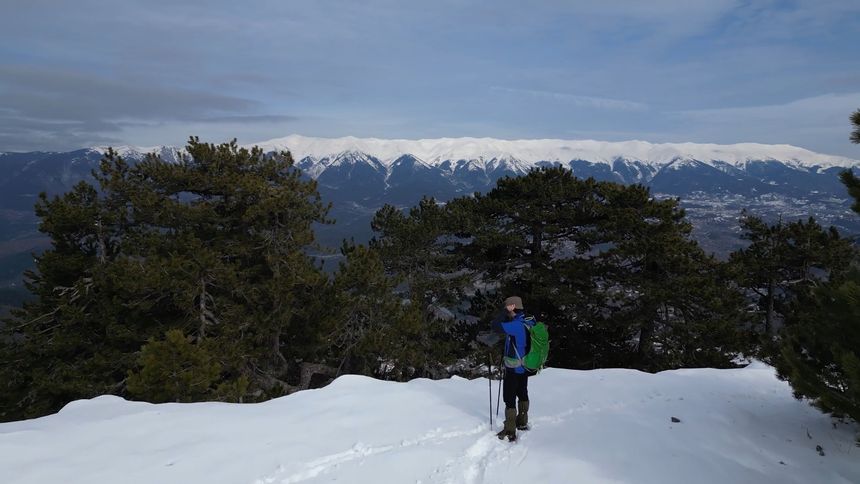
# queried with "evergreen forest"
point(202, 280)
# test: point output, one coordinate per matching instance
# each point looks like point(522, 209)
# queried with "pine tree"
point(819, 350)
point(852, 183)
point(785, 260)
point(420, 247)
point(373, 330)
point(611, 270)
point(214, 246)
point(531, 236)
point(855, 121)
point(848, 177)
point(67, 344)
point(175, 370)
point(675, 302)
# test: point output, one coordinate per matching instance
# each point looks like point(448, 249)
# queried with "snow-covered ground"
point(736, 426)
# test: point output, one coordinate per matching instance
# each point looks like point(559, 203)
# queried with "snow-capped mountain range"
point(167, 153)
point(524, 154)
point(359, 175)
point(639, 161)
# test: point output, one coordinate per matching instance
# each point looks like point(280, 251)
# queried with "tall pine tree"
point(373, 330)
point(674, 302)
point(848, 177)
point(783, 261)
point(613, 271)
point(214, 246)
point(819, 353)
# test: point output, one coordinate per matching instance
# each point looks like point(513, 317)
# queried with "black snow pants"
point(516, 385)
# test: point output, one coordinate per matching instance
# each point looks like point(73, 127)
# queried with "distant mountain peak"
point(167, 153)
point(520, 155)
point(525, 153)
point(360, 175)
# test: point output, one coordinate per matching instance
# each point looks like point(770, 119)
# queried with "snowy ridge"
point(315, 155)
point(599, 426)
point(167, 153)
point(530, 152)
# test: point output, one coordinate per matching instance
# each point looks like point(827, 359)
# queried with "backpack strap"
point(513, 362)
point(529, 322)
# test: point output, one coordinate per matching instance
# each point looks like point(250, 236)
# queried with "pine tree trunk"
point(537, 242)
point(202, 307)
point(768, 318)
point(280, 361)
point(102, 244)
point(646, 335)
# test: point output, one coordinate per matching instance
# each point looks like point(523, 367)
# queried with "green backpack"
point(538, 351)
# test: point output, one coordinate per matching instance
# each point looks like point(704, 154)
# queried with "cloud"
point(60, 109)
point(575, 100)
point(148, 73)
point(819, 123)
point(811, 110)
point(62, 94)
point(795, 22)
point(20, 134)
point(253, 119)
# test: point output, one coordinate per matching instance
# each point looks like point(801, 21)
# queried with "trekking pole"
point(490, 381)
point(499, 398)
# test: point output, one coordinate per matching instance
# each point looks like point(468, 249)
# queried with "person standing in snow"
point(513, 324)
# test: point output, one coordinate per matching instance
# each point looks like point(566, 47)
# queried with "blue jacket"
point(515, 342)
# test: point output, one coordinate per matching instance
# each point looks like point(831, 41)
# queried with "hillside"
point(359, 175)
point(600, 426)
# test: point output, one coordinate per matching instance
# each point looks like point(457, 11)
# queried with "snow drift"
point(601, 426)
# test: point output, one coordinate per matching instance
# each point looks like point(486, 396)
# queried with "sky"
point(145, 73)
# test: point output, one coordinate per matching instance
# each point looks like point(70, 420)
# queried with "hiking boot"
point(523, 415)
point(510, 430)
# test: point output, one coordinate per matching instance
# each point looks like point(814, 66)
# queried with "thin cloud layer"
point(95, 72)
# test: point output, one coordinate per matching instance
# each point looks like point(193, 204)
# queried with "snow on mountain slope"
point(488, 155)
point(601, 426)
point(437, 151)
point(167, 153)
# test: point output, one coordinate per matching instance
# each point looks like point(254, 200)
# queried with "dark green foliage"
point(67, 343)
point(213, 246)
point(420, 248)
point(533, 236)
point(852, 183)
point(848, 177)
point(174, 369)
point(612, 271)
point(784, 261)
point(372, 330)
point(525, 221)
point(674, 300)
point(192, 281)
point(855, 121)
point(820, 348)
